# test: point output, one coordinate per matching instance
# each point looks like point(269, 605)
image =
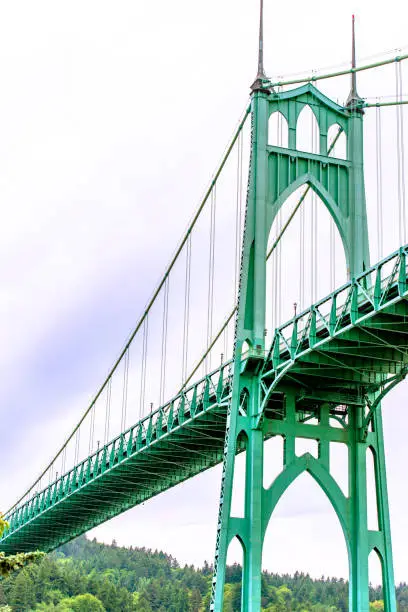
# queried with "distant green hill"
point(86, 576)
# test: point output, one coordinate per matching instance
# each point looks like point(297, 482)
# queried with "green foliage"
point(377, 606)
point(3, 525)
point(81, 603)
point(12, 563)
point(85, 576)
point(22, 592)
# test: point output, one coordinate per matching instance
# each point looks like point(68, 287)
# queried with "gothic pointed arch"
point(307, 463)
point(340, 220)
point(308, 128)
point(278, 129)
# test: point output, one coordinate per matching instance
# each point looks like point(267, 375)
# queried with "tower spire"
point(353, 98)
point(260, 77)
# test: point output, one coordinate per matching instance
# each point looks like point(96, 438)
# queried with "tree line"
point(87, 576)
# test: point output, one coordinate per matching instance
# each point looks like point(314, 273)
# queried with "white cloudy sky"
point(112, 117)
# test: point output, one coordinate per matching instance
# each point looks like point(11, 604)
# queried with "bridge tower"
point(275, 173)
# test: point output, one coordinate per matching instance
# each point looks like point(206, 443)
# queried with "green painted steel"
point(330, 362)
point(315, 369)
point(323, 378)
point(339, 183)
point(314, 78)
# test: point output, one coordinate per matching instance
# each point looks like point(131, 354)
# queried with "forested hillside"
point(85, 576)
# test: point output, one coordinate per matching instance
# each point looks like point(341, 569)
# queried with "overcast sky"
point(113, 116)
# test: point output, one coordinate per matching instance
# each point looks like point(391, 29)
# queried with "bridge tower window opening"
point(239, 480)
point(273, 459)
point(278, 130)
point(337, 142)
point(339, 463)
point(307, 131)
point(233, 582)
point(372, 501)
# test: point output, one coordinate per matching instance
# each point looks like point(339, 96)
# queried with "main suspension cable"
point(344, 64)
point(330, 75)
point(150, 303)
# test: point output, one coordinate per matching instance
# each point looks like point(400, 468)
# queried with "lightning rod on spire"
point(260, 77)
point(353, 98)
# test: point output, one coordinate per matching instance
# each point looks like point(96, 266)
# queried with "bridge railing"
point(161, 355)
point(367, 293)
point(197, 398)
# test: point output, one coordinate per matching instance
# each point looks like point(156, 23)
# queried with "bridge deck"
point(339, 349)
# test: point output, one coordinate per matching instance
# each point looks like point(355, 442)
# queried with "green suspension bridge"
point(321, 376)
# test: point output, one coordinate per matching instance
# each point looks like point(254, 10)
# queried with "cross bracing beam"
point(350, 343)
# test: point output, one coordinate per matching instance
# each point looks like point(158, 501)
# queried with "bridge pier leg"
point(390, 603)
point(359, 551)
point(252, 574)
point(362, 540)
point(352, 509)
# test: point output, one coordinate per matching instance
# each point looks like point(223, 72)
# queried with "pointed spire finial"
point(353, 98)
point(260, 77)
point(261, 72)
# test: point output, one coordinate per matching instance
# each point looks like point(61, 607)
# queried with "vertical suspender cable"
point(316, 149)
point(311, 249)
point(63, 460)
point(331, 149)
point(378, 150)
point(302, 258)
point(312, 211)
point(107, 409)
point(144, 363)
point(332, 256)
point(400, 156)
point(315, 249)
point(91, 429)
point(187, 287)
point(125, 390)
point(77, 440)
point(226, 352)
point(210, 302)
point(275, 272)
point(274, 289)
point(312, 222)
point(279, 253)
point(164, 341)
point(404, 211)
point(278, 288)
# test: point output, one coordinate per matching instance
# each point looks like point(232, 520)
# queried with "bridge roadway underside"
point(169, 460)
point(337, 362)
